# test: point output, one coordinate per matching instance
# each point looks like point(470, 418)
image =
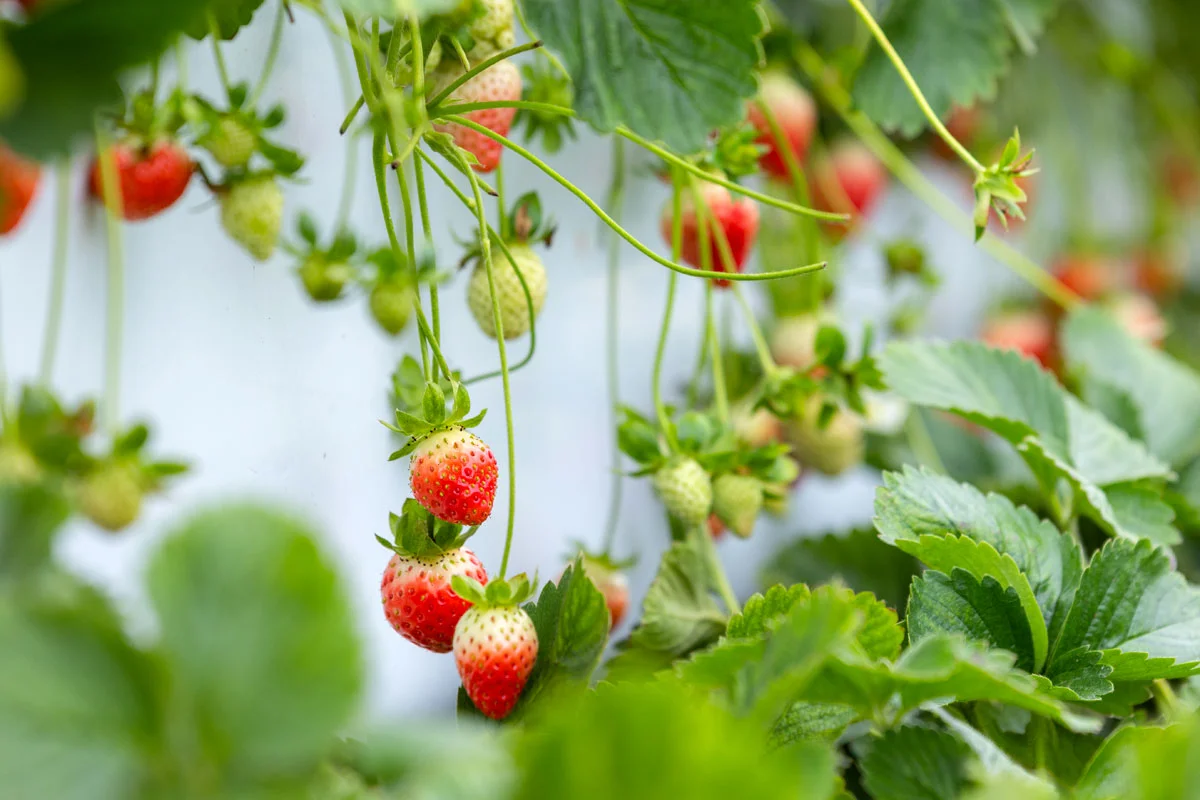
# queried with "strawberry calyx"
point(545, 83)
point(997, 187)
point(432, 415)
point(603, 560)
point(525, 224)
point(234, 135)
point(417, 533)
point(499, 593)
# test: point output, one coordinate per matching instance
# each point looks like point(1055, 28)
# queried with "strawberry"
point(418, 600)
point(833, 449)
point(453, 474)
point(716, 528)
point(493, 31)
point(231, 141)
point(848, 180)
point(391, 305)
point(18, 184)
point(737, 500)
point(514, 309)
point(252, 213)
point(495, 649)
point(756, 427)
point(1140, 317)
point(685, 489)
point(612, 583)
point(738, 219)
point(1157, 273)
point(1030, 333)
point(323, 280)
point(1091, 277)
point(1180, 177)
point(796, 113)
point(794, 341)
point(499, 82)
point(17, 464)
point(151, 177)
point(111, 496)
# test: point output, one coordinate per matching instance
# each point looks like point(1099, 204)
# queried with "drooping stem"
point(360, 63)
point(660, 409)
point(908, 174)
point(498, 324)
point(709, 551)
point(913, 88)
point(427, 231)
point(760, 341)
point(612, 340)
point(272, 55)
point(480, 67)
point(501, 209)
point(520, 11)
point(720, 391)
point(115, 303)
point(346, 198)
point(58, 274)
point(222, 72)
point(624, 234)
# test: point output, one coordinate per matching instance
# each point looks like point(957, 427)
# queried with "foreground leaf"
point(913, 763)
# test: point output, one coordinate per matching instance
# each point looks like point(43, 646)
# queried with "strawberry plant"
point(1011, 615)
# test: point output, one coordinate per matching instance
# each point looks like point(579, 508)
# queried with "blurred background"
point(270, 396)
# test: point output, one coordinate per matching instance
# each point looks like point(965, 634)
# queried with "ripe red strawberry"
point(495, 649)
point(453, 474)
point(737, 217)
point(1090, 277)
point(1030, 333)
point(848, 180)
point(612, 583)
point(151, 178)
point(499, 82)
point(18, 184)
point(418, 600)
point(796, 113)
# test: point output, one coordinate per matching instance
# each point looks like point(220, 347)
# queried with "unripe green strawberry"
point(493, 31)
point(737, 499)
point(495, 650)
point(324, 281)
point(685, 489)
point(252, 214)
point(391, 305)
point(514, 309)
point(794, 341)
point(17, 464)
point(111, 496)
point(231, 142)
point(832, 450)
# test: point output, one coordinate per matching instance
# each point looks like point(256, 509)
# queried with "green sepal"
point(416, 532)
point(469, 589)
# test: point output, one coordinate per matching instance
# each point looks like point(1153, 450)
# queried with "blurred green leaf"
point(29, 518)
point(679, 613)
point(259, 638)
point(672, 72)
point(229, 16)
point(913, 763)
point(812, 721)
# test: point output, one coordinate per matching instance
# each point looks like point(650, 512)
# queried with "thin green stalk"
point(480, 67)
point(360, 64)
point(427, 231)
point(913, 88)
point(115, 310)
point(350, 169)
point(709, 551)
point(215, 35)
point(908, 174)
point(423, 324)
point(58, 274)
point(760, 341)
point(612, 321)
point(660, 408)
point(693, 393)
point(3, 371)
point(498, 323)
point(501, 210)
point(272, 54)
point(517, 7)
point(181, 66)
point(720, 391)
point(418, 50)
point(1165, 699)
point(348, 120)
point(624, 234)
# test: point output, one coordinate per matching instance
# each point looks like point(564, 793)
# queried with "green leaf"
point(1037, 744)
point(1132, 607)
point(77, 706)
point(672, 72)
point(29, 518)
point(915, 503)
point(72, 55)
point(812, 721)
point(982, 611)
point(992, 764)
point(761, 609)
point(259, 637)
point(1165, 393)
point(955, 49)
point(913, 763)
point(1027, 19)
point(572, 627)
point(230, 16)
point(679, 613)
point(658, 740)
point(856, 558)
point(1108, 775)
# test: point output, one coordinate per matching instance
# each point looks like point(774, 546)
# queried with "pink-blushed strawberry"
point(736, 218)
point(1140, 317)
point(1089, 276)
point(252, 213)
point(794, 110)
point(716, 528)
point(737, 501)
point(832, 449)
point(418, 600)
point(514, 308)
point(453, 474)
point(685, 489)
point(1029, 332)
point(756, 427)
point(612, 583)
point(850, 179)
point(500, 82)
point(495, 649)
point(794, 341)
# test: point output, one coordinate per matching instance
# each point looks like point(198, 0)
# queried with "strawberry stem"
point(478, 68)
point(115, 289)
point(660, 410)
point(720, 392)
point(349, 173)
point(58, 274)
point(908, 174)
point(624, 234)
point(708, 551)
point(427, 231)
point(498, 324)
point(612, 320)
point(760, 342)
point(222, 72)
point(272, 54)
point(913, 88)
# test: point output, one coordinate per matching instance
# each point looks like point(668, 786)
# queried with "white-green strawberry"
point(685, 489)
point(324, 280)
point(514, 309)
point(493, 31)
point(391, 305)
point(833, 449)
point(231, 142)
point(737, 501)
point(111, 496)
point(252, 214)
